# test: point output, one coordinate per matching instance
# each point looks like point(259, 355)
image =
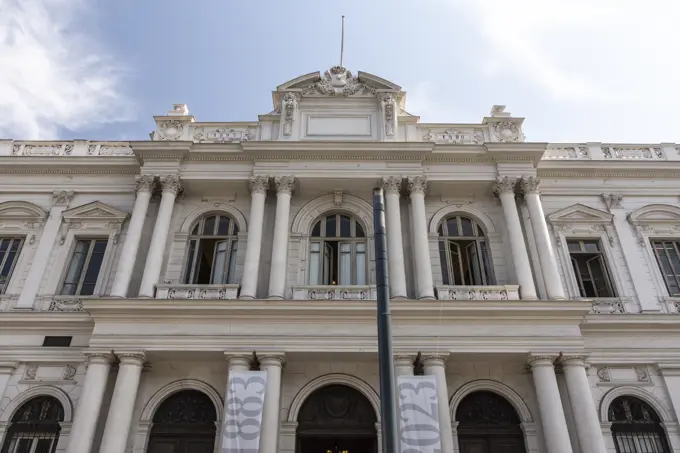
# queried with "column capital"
point(530, 185)
point(403, 360)
point(259, 184)
point(172, 184)
point(136, 358)
point(238, 359)
point(573, 361)
point(145, 183)
point(62, 197)
point(544, 360)
point(391, 184)
point(284, 184)
point(612, 200)
point(100, 357)
point(8, 367)
point(272, 359)
point(417, 185)
point(434, 360)
point(504, 185)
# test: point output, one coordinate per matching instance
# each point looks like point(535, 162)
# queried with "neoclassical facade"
point(538, 283)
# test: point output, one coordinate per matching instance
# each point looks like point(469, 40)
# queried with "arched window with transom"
point(337, 251)
point(464, 252)
point(35, 427)
point(636, 427)
point(211, 255)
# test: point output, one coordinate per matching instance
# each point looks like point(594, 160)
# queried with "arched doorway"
point(35, 427)
point(336, 419)
point(636, 427)
point(487, 423)
point(184, 423)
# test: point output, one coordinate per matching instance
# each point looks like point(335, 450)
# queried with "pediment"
point(22, 211)
point(95, 211)
point(655, 213)
point(580, 213)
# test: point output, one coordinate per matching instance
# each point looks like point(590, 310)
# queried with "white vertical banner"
point(418, 415)
point(243, 412)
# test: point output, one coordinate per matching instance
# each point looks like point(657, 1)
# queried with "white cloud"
point(52, 74)
point(616, 51)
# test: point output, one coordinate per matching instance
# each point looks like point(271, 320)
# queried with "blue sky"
point(578, 70)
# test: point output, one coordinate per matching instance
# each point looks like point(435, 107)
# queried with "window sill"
point(180, 291)
point(482, 292)
point(335, 292)
point(607, 305)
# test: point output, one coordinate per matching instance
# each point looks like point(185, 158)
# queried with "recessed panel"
point(338, 126)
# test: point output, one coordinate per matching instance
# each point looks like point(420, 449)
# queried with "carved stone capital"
point(433, 360)
point(239, 360)
point(135, 358)
point(171, 183)
point(62, 197)
point(145, 183)
point(417, 184)
point(259, 184)
point(391, 184)
point(284, 184)
point(574, 361)
point(504, 185)
point(613, 200)
point(530, 185)
point(271, 360)
point(100, 357)
point(403, 360)
point(536, 361)
point(8, 367)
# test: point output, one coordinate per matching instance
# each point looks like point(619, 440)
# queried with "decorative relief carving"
point(172, 183)
point(337, 81)
point(417, 184)
point(31, 372)
point(391, 184)
point(197, 292)
point(145, 183)
point(62, 197)
point(604, 375)
point(642, 375)
point(223, 135)
point(504, 185)
point(608, 306)
point(632, 152)
point(388, 107)
point(337, 198)
point(109, 150)
point(334, 293)
point(506, 131)
point(259, 184)
point(69, 372)
point(284, 183)
point(530, 184)
point(456, 137)
point(290, 103)
point(170, 130)
point(48, 149)
point(612, 200)
point(73, 305)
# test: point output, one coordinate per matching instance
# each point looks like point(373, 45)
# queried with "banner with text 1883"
point(243, 412)
point(418, 414)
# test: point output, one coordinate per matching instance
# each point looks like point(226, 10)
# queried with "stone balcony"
point(335, 292)
point(489, 292)
point(215, 292)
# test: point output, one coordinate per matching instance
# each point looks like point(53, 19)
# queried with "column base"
point(399, 298)
point(275, 297)
point(530, 298)
point(246, 297)
point(427, 298)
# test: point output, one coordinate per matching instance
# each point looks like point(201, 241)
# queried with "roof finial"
point(342, 40)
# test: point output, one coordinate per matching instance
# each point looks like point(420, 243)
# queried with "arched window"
point(184, 422)
point(487, 423)
point(464, 252)
point(35, 427)
point(211, 258)
point(636, 427)
point(337, 251)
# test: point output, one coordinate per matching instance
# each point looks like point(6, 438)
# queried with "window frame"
point(84, 269)
point(353, 240)
point(482, 237)
point(232, 251)
point(17, 258)
point(606, 271)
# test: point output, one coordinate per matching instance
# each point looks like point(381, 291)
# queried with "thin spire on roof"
point(342, 40)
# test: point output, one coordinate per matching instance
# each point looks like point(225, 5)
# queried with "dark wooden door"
point(491, 444)
point(337, 444)
point(181, 444)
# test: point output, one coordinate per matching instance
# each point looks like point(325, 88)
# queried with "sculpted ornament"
point(170, 130)
point(391, 184)
point(145, 183)
point(62, 197)
point(612, 200)
point(290, 102)
point(388, 107)
point(417, 184)
point(172, 183)
point(284, 184)
point(337, 198)
point(604, 375)
point(530, 185)
point(506, 131)
point(259, 184)
point(504, 185)
point(338, 81)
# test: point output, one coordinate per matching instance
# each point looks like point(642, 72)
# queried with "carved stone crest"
point(338, 81)
point(506, 131)
point(170, 130)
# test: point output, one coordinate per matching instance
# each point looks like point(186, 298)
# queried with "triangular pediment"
point(655, 213)
point(95, 211)
point(580, 213)
point(22, 210)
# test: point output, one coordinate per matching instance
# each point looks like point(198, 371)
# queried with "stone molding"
point(216, 207)
point(306, 216)
point(136, 358)
point(33, 392)
point(637, 392)
point(547, 360)
point(493, 386)
point(468, 211)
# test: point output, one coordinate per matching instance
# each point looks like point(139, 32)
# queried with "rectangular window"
point(361, 263)
point(9, 254)
point(60, 342)
point(83, 271)
point(668, 256)
point(337, 263)
point(590, 268)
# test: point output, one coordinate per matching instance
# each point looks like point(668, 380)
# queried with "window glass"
point(316, 231)
point(223, 228)
point(211, 255)
point(209, 226)
point(452, 226)
point(463, 253)
point(467, 226)
point(330, 226)
point(361, 263)
point(344, 226)
point(590, 269)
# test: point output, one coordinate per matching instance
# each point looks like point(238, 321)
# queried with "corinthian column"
point(172, 185)
point(277, 276)
point(251, 268)
point(395, 247)
point(435, 366)
point(269, 441)
point(145, 186)
point(417, 187)
point(546, 256)
point(505, 190)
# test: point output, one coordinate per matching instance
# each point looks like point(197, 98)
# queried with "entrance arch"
point(184, 423)
point(336, 419)
point(488, 423)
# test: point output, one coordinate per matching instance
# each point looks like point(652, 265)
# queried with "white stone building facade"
point(539, 283)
